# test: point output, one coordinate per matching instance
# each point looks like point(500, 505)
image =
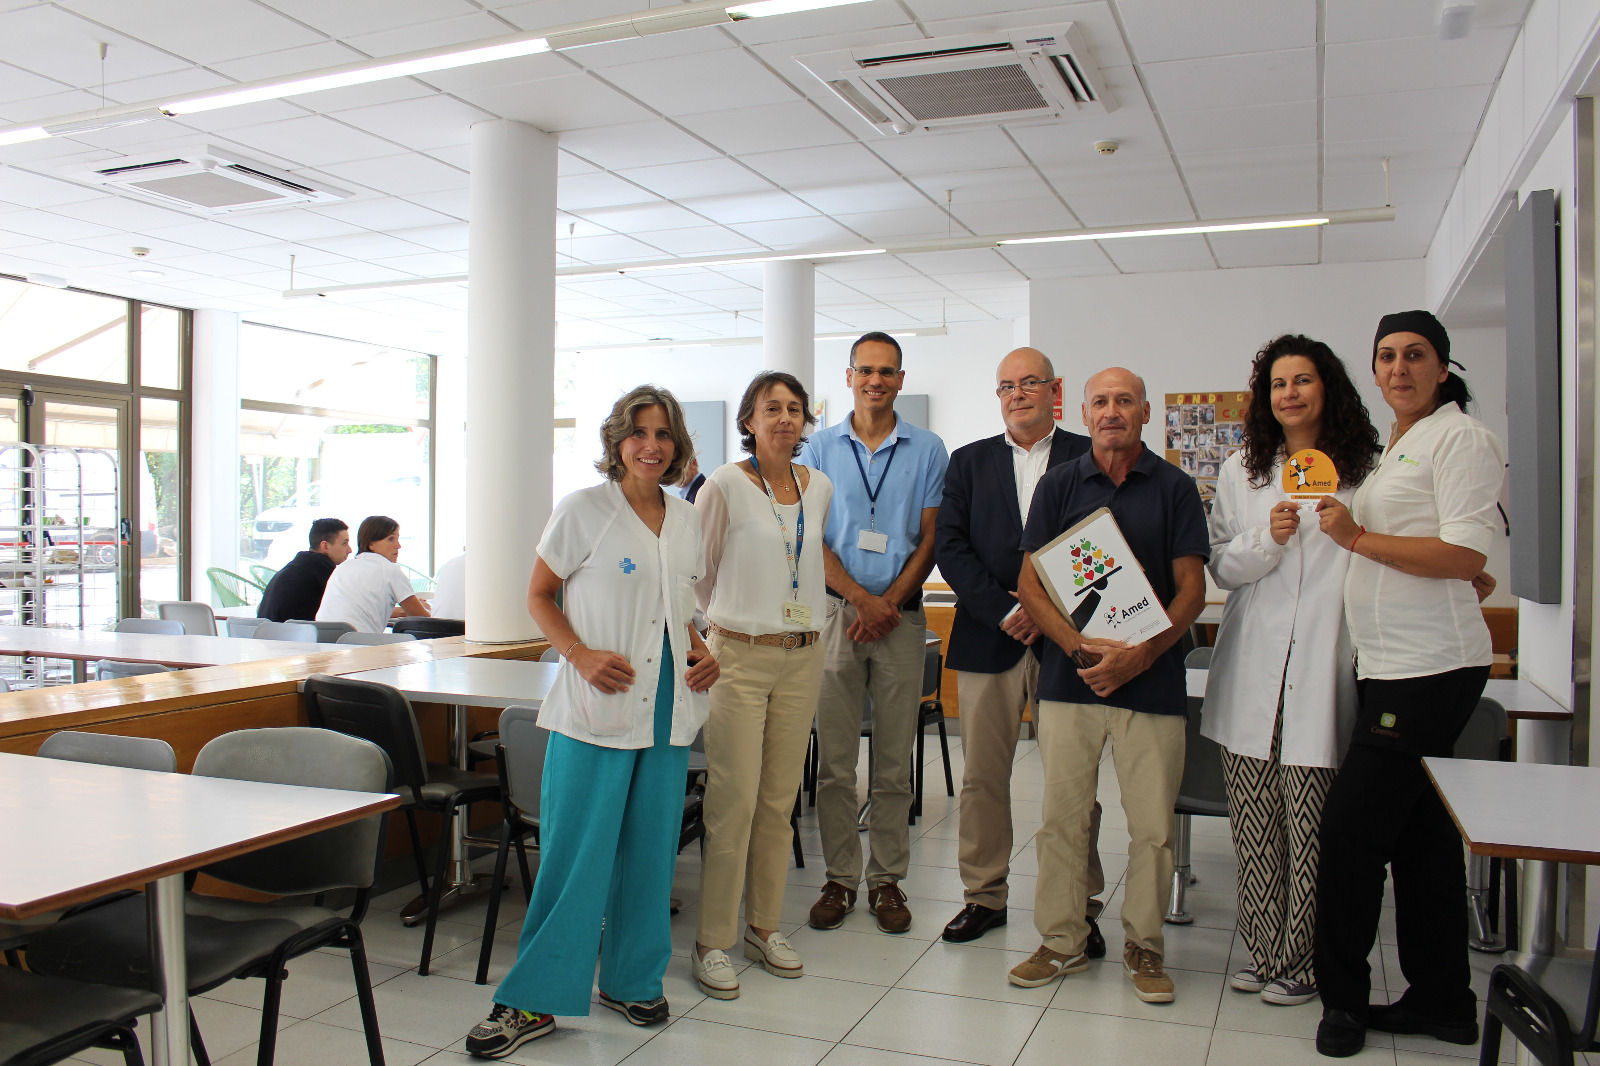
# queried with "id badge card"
point(797, 614)
point(872, 541)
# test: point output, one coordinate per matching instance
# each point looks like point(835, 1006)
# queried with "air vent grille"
point(208, 189)
point(962, 93)
point(209, 181)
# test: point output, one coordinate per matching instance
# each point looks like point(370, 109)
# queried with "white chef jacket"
point(1283, 628)
point(624, 586)
point(1442, 479)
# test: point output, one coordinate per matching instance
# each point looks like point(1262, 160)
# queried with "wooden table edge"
point(138, 879)
point(1510, 851)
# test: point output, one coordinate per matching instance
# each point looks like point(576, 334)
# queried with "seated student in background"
point(450, 589)
point(365, 589)
point(296, 590)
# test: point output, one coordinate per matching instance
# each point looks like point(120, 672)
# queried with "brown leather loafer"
point(889, 904)
point(830, 908)
point(974, 920)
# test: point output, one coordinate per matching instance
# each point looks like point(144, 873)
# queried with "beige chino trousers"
point(991, 721)
point(756, 740)
point(1147, 750)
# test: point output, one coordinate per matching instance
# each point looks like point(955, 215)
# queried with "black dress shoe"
point(1096, 946)
point(1340, 1034)
point(1399, 1018)
point(974, 920)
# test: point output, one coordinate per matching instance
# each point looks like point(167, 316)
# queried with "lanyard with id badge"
point(795, 613)
point(869, 539)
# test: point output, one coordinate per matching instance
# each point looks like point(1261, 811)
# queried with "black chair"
point(931, 712)
point(228, 939)
point(520, 752)
point(48, 1019)
point(383, 715)
point(1537, 998)
point(428, 628)
point(1202, 792)
point(1485, 737)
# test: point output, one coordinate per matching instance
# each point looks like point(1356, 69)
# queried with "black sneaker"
point(639, 1012)
point(505, 1030)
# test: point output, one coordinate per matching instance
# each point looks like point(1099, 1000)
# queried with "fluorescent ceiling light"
point(744, 260)
point(102, 122)
point(24, 133)
point(762, 8)
point(1171, 230)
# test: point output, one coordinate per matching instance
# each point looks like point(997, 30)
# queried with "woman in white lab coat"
point(1281, 693)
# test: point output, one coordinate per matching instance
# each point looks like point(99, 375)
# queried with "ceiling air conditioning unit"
point(208, 181)
point(1038, 72)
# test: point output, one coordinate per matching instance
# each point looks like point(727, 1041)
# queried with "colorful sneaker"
point(1045, 966)
point(639, 1012)
point(714, 974)
point(505, 1030)
point(1149, 977)
point(1285, 992)
point(1250, 979)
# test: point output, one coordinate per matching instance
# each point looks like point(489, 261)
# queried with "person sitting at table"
point(622, 712)
point(1419, 531)
point(450, 589)
point(763, 593)
point(366, 589)
point(1281, 693)
point(296, 590)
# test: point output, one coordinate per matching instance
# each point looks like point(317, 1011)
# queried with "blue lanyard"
point(872, 493)
point(792, 553)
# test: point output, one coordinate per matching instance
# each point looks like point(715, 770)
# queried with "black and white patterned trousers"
point(1275, 812)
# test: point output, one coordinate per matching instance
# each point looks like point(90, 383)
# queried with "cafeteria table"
point(188, 650)
point(149, 829)
point(463, 683)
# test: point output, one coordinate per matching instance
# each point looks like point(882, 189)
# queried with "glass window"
point(160, 502)
point(284, 366)
point(160, 347)
point(62, 333)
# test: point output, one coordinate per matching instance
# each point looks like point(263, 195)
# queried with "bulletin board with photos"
point(1203, 429)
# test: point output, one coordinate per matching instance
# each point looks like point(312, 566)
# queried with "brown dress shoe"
point(889, 904)
point(830, 908)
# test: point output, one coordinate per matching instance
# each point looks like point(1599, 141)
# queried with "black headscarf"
point(1421, 323)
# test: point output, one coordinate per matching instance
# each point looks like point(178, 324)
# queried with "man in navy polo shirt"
point(1135, 697)
point(888, 479)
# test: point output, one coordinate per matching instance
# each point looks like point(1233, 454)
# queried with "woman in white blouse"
point(1281, 694)
point(1418, 533)
point(622, 713)
point(763, 595)
point(365, 589)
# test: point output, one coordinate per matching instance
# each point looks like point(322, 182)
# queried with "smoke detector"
point(1035, 72)
point(207, 180)
point(1106, 147)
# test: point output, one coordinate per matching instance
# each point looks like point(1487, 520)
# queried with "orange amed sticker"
point(1309, 475)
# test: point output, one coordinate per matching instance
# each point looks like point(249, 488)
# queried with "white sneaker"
point(714, 973)
point(775, 953)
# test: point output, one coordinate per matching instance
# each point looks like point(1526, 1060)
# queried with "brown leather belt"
point(786, 641)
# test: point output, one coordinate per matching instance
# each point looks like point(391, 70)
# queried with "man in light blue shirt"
point(888, 479)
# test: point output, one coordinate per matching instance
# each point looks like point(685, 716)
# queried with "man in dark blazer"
point(978, 548)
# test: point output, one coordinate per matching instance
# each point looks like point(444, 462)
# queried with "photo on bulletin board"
point(1203, 429)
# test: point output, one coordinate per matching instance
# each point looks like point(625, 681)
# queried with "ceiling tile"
point(705, 177)
point(394, 40)
point(453, 202)
point(923, 153)
point(51, 41)
point(49, 108)
point(1255, 198)
point(400, 175)
point(1182, 29)
point(166, 86)
point(611, 248)
point(1151, 254)
point(765, 128)
point(388, 213)
point(61, 254)
point(1436, 111)
point(313, 141)
point(877, 196)
point(350, 17)
point(1399, 65)
point(212, 236)
point(705, 81)
point(19, 186)
point(432, 122)
point(812, 166)
point(917, 223)
point(520, 70)
point(755, 207)
point(294, 225)
point(213, 264)
point(698, 240)
point(598, 190)
point(636, 217)
point(18, 84)
point(1119, 208)
point(204, 31)
point(448, 238)
point(1233, 81)
point(274, 64)
point(364, 245)
point(1268, 248)
point(122, 213)
point(984, 186)
point(241, 117)
point(791, 233)
point(1377, 20)
point(1406, 186)
point(559, 105)
point(1420, 152)
point(427, 264)
point(635, 144)
point(644, 49)
point(351, 97)
point(1296, 162)
point(1262, 126)
point(1017, 216)
point(45, 226)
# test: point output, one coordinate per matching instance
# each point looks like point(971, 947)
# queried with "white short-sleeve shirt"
point(625, 586)
point(363, 590)
point(1442, 479)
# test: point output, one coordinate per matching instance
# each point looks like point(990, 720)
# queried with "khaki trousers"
point(756, 739)
point(890, 670)
point(991, 720)
point(1147, 750)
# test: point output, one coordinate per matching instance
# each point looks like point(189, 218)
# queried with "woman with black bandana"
point(1419, 530)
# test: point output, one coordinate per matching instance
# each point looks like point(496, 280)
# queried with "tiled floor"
point(868, 999)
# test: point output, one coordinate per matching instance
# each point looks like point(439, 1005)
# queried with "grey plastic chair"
point(521, 758)
point(303, 632)
point(375, 638)
point(47, 1019)
point(1198, 659)
point(108, 749)
point(244, 627)
point(197, 618)
point(231, 939)
point(327, 632)
point(1485, 737)
point(105, 669)
point(1202, 792)
point(163, 626)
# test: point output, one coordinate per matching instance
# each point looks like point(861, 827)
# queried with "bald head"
point(1028, 406)
point(1115, 410)
point(1115, 377)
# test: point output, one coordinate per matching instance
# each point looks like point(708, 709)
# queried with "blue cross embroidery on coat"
point(628, 565)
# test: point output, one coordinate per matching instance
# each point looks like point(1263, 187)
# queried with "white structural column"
point(511, 335)
point(789, 313)
point(214, 530)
